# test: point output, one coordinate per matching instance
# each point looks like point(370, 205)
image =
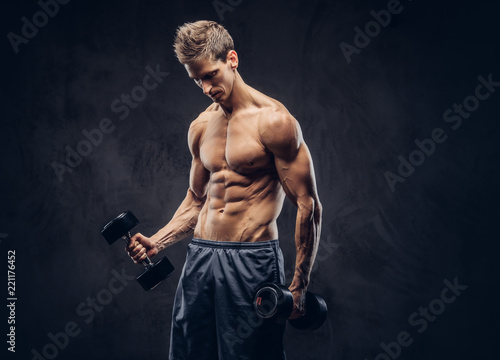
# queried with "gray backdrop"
point(405, 217)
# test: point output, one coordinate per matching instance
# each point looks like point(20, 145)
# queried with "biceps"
point(297, 177)
point(198, 178)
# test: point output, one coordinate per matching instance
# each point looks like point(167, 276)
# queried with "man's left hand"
point(299, 302)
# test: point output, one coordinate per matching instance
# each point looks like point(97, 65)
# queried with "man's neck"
point(240, 97)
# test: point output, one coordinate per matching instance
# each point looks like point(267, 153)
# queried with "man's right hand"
point(139, 246)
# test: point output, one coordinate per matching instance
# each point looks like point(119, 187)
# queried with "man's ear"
point(232, 58)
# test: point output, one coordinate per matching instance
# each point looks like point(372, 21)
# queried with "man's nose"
point(206, 86)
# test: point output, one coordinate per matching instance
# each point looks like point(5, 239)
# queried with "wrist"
point(157, 244)
point(298, 284)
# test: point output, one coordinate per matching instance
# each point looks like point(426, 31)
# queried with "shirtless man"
point(247, 154)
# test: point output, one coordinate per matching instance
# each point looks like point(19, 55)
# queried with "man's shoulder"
point(278, 129)
point(198, 125)
point(275, 118)
point(203, 118)
point(273, 114)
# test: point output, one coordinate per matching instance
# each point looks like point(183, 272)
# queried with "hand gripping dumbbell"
point(119, 228)
point(275, 302)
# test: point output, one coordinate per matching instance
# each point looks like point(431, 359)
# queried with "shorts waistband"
point(235, 244)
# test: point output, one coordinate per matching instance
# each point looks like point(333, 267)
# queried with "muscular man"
point(247, 154)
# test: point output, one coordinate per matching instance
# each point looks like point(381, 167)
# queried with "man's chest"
point(235, 144)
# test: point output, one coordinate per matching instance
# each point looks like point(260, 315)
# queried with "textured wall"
point(387, 251)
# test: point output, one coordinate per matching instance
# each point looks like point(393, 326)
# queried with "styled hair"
point(202, 40)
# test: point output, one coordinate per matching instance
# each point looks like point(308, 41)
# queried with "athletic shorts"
point(213, 316)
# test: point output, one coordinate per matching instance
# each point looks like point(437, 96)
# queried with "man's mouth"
point(216, 95)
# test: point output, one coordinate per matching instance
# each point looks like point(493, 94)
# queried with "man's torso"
point(244, 194)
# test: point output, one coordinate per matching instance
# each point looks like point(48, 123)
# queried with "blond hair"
point(202, 40)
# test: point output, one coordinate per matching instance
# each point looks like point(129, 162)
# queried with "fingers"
point(298, 305)
point(296, 313)
point(140, 257)
point(136, 251)
point(138, 248)
point(131, 246)
point(134, 240)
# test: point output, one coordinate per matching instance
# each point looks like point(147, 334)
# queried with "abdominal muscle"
point(241, 208)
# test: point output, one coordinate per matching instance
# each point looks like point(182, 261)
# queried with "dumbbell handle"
point(146, 262)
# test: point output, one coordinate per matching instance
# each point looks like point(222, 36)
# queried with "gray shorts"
point(213, 316)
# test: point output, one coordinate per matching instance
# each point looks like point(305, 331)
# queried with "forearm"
point(182, 223)
point(307, 233)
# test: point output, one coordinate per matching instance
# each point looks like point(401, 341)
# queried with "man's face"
point(215, 78)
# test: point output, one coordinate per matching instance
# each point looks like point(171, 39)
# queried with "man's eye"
point(212, 74)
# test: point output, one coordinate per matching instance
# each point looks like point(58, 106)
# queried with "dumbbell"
point(119, 228)
point(275, 302)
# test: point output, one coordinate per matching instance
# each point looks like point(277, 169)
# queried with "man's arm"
point(283, 137)
point(185, 218)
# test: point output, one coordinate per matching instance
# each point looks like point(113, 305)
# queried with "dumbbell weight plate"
point(155, 274)
point(273, 301)
point(315, 316)
point(118, 227)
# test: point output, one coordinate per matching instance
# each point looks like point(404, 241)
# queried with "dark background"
point(384, 253)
